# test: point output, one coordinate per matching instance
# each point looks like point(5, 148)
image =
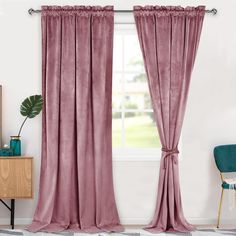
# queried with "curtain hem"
point(181, 229)
point(57, 227)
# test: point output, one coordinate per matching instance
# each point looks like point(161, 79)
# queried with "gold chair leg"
point(220, 206)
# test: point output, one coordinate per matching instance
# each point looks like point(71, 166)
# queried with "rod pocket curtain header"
point(77, 10)
point(160, 11)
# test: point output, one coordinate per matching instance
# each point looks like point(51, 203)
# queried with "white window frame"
point(123, 153)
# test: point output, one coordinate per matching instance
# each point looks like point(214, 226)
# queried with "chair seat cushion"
point(226, 185)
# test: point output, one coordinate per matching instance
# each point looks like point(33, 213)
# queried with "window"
point(134, 132)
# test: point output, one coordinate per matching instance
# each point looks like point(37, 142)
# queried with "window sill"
point(136, 154)
point(136, 159)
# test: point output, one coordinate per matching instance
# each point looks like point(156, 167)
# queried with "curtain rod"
point(213, 11)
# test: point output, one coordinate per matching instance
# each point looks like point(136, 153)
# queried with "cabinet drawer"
point(16, 178)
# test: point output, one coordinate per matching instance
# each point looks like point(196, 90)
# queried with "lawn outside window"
point(134, 132)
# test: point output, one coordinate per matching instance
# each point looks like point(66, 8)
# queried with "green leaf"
point(31, 106)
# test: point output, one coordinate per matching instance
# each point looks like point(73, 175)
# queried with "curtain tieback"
point(169, 152)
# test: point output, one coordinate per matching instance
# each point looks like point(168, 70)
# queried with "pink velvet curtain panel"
point(169, 38)
point(76, 185)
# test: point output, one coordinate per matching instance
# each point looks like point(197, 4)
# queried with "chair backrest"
point(225, 157)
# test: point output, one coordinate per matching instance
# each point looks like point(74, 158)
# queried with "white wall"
point(210, 118)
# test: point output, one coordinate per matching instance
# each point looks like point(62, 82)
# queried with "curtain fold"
point(76, 184)
point(169, 38)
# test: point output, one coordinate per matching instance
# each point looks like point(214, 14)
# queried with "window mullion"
point(133, 110)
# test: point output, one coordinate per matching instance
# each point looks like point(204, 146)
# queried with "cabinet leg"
point(12, 213)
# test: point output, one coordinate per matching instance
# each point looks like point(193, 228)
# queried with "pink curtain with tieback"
point(76, 185)
point(169, 38)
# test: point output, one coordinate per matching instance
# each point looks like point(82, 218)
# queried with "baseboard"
point(203, 221)
point(133, 221)
point(145, 221)
point(18, 221)
point(212, 221)
point(192, 220)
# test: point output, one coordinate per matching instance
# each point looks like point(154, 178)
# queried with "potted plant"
point(29, 108)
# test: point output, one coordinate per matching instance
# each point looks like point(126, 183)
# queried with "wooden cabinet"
point(16, 177)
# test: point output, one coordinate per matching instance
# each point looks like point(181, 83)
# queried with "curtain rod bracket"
point(213, 11)
point(31, 11)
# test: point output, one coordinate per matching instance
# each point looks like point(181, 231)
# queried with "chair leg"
point(220, 206)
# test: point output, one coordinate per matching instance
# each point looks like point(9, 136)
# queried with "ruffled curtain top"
point(160, 11)
point(77, 10)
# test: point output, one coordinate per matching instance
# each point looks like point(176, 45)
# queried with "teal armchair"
point(225, 159)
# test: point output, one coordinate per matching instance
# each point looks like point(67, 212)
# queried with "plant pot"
point(15, 145)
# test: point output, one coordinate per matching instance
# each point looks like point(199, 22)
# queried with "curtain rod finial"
point(31, 11)
point(214, 11)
